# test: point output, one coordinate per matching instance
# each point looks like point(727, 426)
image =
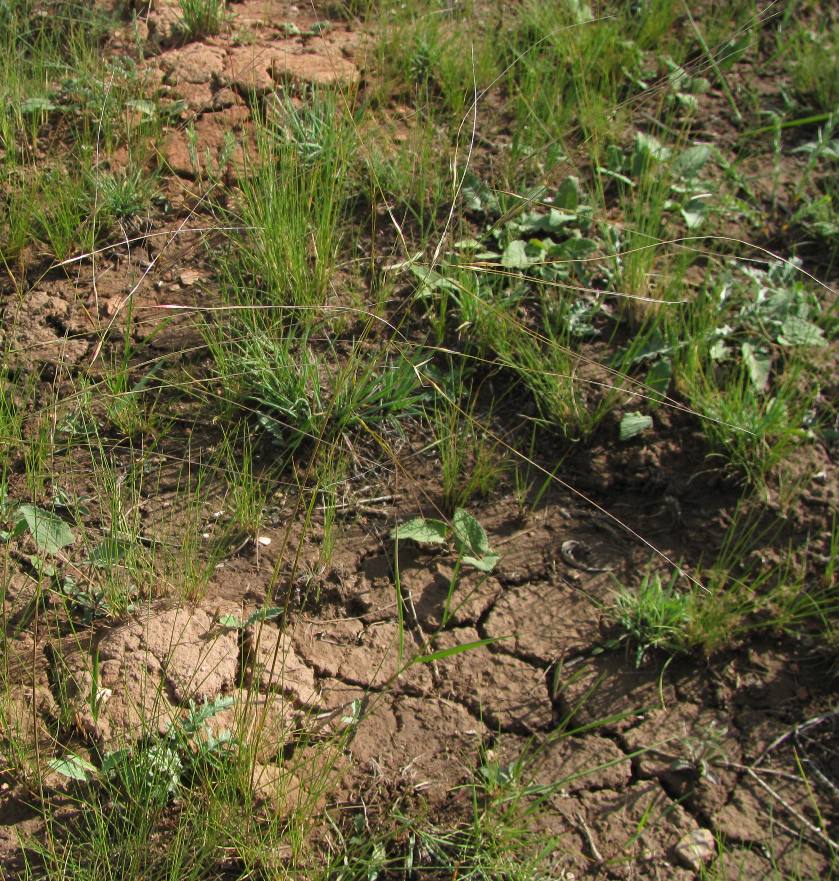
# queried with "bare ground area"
point(659, 769)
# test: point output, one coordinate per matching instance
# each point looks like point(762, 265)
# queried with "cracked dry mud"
point(618, 751)
point(420, 729)
point(217, 79)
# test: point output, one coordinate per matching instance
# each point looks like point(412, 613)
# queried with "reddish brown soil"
point(642, 760)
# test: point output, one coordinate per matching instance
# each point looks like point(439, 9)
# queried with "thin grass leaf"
point(441, 654)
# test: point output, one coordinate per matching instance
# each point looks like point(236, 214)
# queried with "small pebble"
point(696, 848)
point(189, 277)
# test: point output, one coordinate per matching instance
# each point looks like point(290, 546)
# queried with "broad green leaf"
point(431, 279)
point(694, 213)
point(144, 108)
point(568, 195)
point(108, 552)
point(733, 50)
point(469, 534)
point(477, 196)
point(719, 351)
point(515, 255)
point(230, 622)
point(633, 424)
point(422, 529)
point(37, 105)
point(72, 766)
point(48, 530)
point(555, 220)
point(800, 332)
point(42, 566)
point(198, 715)
point(580, 10)
point(654, 347)
point(116, 759)
point(537, 221)
point(659, 376)
point(646, 148)
point(484, 564)
point(577, 249)
point(693, 219)
point(691, 161)
point(758, 364)
point(608, 172)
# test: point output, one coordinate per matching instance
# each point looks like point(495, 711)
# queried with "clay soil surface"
point(635, 762)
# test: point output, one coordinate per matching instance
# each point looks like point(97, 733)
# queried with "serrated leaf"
point(579, 318)
point(233, 622)
point(758, 365)
point(49, 532)
point(269, 613)
point(633, 424)
point(73, 766)
point(515, 255)
point(208, 709)
point(469, 534)
point(797, 331)
point(425, 530)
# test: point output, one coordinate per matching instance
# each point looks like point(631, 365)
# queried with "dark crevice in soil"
point(242, 676)
point(55, 679)
point(620, 743)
